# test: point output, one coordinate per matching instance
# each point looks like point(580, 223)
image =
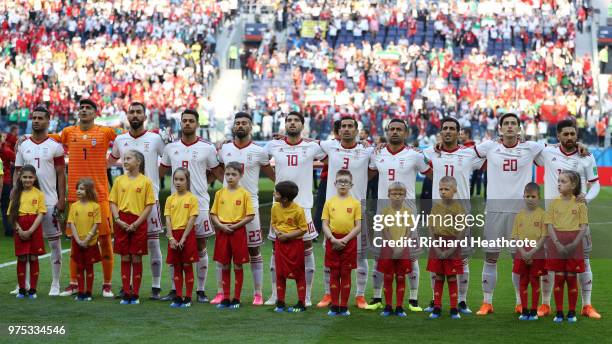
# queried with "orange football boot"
point(589, 311)
point(361, 302)
point(325, 301)
point(543, 310)
point(485, 309)
point(518, 309)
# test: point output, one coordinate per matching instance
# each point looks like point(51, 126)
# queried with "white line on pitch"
point(3, 265)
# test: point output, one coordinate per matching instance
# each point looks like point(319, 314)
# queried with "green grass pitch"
point(104, 320)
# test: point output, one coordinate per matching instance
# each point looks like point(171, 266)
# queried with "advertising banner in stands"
point(309, 28)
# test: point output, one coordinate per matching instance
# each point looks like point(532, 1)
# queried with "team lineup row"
point(508, 160)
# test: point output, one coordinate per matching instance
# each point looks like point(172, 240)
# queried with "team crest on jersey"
point(194, 154)
point(349, 210)
point(574, 211)
point(146, 146)
point(186, 206)
point(34, 201)
point(238, 202)
point(138, 190)
point(290, 221)
point(402, 162)
point(537, 224)
point(90, 214)
point(93, 142)
point(250, 157)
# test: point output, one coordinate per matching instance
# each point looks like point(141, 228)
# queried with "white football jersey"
point(252, 157)
point(458, 163)
point(355, 159)
point(44, 156)
point(197, 158)
point(509, 169)
point(150, 145)
point(554, 160)
point(401, 166)
point(295, 163)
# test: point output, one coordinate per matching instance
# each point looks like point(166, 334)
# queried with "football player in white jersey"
point(398, 163)
point(458, 162)
point(47, 156)
point(151, 146)
point(197, 156)
point(350, 155)
point(253, 159)
point(566, 157)
point(509, 169)
point(294, 161)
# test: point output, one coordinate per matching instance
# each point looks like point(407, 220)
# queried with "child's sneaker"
point(79, 297)
point(170, 297)
point(280, 307)
point(399, 311)
point(559, 317)
point(387, 311)
point(413, 306)
point(333, 311)
point(463, 308)
point(32, 294)
point(344, 312)
point(87, 297)
point(217, 299)
point(430, 308)
point(533, 314)
point(435, 313)
point(257, 300)
point(125, 300)
point(271, 301)
point(298, 308)
point(176, 303)
point(135, 300)
point(235, 304)
point(186, 303)
point(225, 303)
point(525, 315)
point(454, 313)
point(571, 317)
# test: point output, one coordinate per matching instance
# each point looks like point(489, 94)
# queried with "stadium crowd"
point(472, 61)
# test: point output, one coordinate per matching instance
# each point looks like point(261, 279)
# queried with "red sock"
point(178, 279)
point(126, 273)
point(239, 274)
point(226, 278)
point(345, 282)
point(334, 286)
point(281, 287)
point(388, 288)
point(136, 277)
point(89, 271)
point(301, 289)
point(558, 291)
point(400, 289)
point(21, 273)
point(523, 290)
point(572, 291)
point(438, 289)
point(535, 291)
point(34, 271)
point(188, 268)
point(453, 292)
point(81, 278)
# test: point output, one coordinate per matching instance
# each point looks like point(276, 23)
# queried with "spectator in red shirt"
point(7, 154)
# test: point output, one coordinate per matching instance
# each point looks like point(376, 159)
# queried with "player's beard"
point(293, 132)
point(569, 145)
point(241, 134)
point(136, 124)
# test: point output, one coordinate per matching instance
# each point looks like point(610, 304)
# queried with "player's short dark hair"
point(42, 109)
point(503, 117)
point(566, 123)
point(144, 108)
point(235, 165)
point(191, 112)
point(397, 120)
point(337, 127)
point(344, 173)
point(532, 187)
point(295, 113)
point(468, 132)
point(349, 118)
point(242, 114)
point(450, 119)
point(88, 102)
point(287, 189)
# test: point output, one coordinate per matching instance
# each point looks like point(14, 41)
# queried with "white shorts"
point(253, 231)
point(51, 228)
point(497, 225)
point(203, 227)
point(154, 223)
point(311, 234)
